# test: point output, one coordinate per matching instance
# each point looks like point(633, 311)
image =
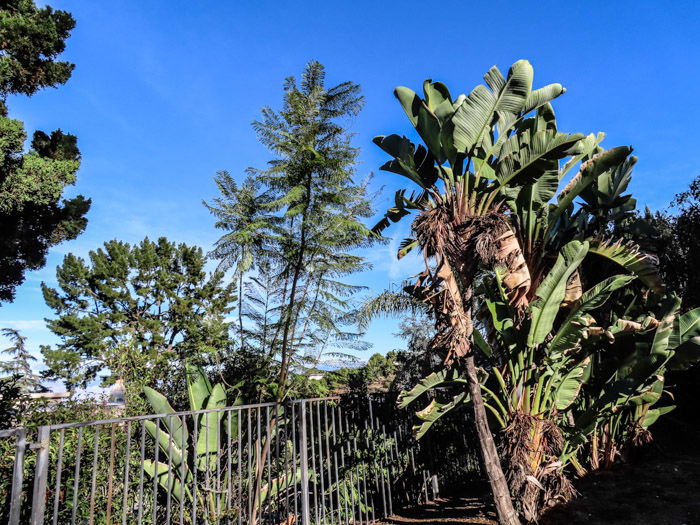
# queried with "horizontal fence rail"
point(313, 461)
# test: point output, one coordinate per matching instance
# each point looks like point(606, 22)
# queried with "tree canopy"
point(30, 40)
point(295, 224)
point(33, 215)
point(136, 312)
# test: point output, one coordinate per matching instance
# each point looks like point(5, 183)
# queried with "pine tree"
point(32, 215)
point(138, 311)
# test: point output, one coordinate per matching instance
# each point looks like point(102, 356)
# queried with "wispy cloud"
point(24, 324)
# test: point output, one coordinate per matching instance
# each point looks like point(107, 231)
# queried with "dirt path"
point(446, 510)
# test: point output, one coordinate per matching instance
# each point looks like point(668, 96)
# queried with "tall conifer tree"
point(314, 213)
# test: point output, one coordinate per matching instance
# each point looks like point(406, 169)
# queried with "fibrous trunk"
point(535, 474)
point(517, 279)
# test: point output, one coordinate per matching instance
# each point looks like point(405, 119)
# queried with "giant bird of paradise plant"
point(507, 250)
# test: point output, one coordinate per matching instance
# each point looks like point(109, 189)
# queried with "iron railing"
point(310, 461)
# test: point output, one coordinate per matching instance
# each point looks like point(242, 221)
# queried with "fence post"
point(305, 513)
point(41, 476)
point(18, 477)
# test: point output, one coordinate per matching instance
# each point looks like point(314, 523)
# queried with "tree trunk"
point(489, 454)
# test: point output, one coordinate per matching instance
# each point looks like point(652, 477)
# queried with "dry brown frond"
point(574, 290)
point(517, 279)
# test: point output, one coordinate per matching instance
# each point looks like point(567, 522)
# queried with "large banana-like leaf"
point(209, 438)
point(233, 419)
point(168, 479)
point(567, 389)
point(198, 387)
point(588, 146)
point(167, 443)
point(435, 410)
point(571, 331)
point(544, 95)
point(651, 395)
point(534, 195)
point(654, 414)
point(646, 360)
point(551, 291)
point(606, 193)
point(423, 119)
point(481, 343)
point(445, 376)
point(525, 155)
point(590, 170)
point(686, 341)
point(402, 207)
point(438, 99)
point(631, 258)
point(410, 161)
point(160, 405)
point(474, 117)
point(687, 326)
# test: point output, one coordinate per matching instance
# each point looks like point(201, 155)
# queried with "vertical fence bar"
point(93, 482)
point(18, 476)
point(76, 476)
point(310, 433)
point(240, 470)
point(141, 470)
point(294, 458)
point(183, 477)
point(156, 450)
point(305, 515)
point(110, 474)
point(57, 485)
point(41, 476)
point(127, 461)
point(170, 482)
point(229, 416)
point(195, 444)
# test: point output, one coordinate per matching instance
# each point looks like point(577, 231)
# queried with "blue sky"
point(164, 92)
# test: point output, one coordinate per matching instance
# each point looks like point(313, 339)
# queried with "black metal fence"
point(310, 461)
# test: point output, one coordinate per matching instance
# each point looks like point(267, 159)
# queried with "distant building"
point(52, 397)
point(117, 394)
point(116, 401)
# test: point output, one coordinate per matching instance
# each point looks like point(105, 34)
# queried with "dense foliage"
point(33, 216)
point(572, 325)
point(138, 313)
point(32, 37)
point(548, 305)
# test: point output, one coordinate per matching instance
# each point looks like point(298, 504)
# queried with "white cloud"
point(24, 324)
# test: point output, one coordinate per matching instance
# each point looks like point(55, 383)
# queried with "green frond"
point(628, 255)
point(387, 303)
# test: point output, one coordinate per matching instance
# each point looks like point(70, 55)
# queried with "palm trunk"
point(459, 306)
point(489, 454)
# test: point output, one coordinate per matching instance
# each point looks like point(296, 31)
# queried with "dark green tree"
point(31, 38)
point(676, 242)
point(33, 216)
point(310, 222)
point(137, 313)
